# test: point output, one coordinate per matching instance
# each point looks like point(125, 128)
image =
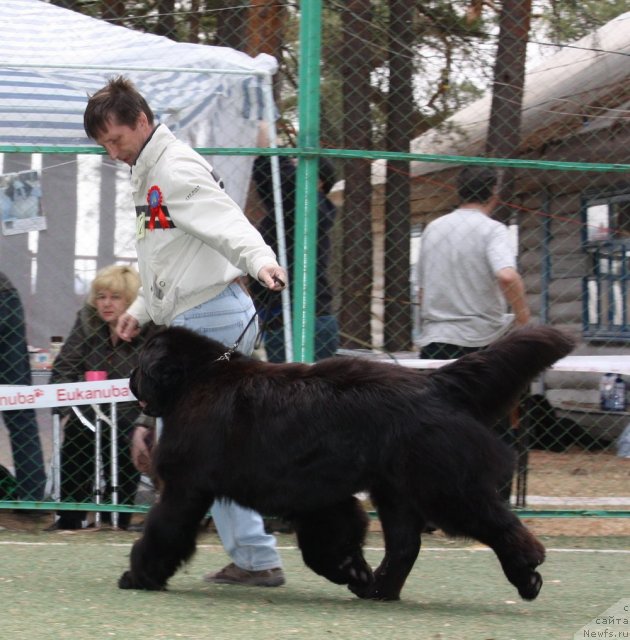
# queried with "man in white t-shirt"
point(467, 275)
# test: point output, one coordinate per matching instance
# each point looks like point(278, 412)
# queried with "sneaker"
point(235, 575)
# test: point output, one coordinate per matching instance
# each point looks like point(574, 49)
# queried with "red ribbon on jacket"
point(154, 200)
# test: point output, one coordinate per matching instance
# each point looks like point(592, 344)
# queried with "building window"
point(606, 217)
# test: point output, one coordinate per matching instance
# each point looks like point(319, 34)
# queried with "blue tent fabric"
point(52, 58)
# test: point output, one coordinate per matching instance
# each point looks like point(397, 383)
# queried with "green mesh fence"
point(383, 103)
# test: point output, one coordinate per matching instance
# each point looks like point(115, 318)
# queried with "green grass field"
point(56, 585)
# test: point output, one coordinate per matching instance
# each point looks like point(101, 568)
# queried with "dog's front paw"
point(372, 592)
point(360, 590)
point(126, 581)
point(359, 576)
point(358, 571)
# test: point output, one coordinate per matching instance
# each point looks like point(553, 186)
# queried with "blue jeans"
point(241, 530)
point(22, 424)
point(326, 340)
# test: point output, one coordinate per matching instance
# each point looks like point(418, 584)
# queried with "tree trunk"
point(504, 127)
point(265, 33)
point(265, 27)
point(400, 116)
point(114, 11)
point(166, 19)
point(356, 218)
point(194, 22)
point(232, 25)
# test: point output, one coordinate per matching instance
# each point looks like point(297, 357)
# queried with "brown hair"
point(118, 101)
point(476, 183)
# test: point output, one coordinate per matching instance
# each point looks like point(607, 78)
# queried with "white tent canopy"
point(51, 58)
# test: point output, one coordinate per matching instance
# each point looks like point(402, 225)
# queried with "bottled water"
point(606, 388)
point(619, 395)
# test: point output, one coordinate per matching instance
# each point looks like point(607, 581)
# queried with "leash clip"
point(226, 356)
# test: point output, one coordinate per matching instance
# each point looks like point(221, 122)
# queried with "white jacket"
point(192, 239)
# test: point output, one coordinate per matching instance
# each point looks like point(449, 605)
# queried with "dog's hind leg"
point(168, 539)
point(520, 553)
point(491, 522)
point(331, 540)
point(402, 526)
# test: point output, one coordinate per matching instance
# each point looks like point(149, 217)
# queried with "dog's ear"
point(159, 378)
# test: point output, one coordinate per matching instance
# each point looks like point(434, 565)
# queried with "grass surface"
point(64, 586)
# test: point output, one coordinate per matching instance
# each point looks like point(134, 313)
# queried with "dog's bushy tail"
point(490, 382)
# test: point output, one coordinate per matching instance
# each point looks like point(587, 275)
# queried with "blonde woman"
point(93, 345)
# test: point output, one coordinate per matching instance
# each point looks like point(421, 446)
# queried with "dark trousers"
point(503, 428)
point(326, 339)
point(15, 369)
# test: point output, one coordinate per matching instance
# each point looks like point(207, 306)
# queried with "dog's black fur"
point(300, 440)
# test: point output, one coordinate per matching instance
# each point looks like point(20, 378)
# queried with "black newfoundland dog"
point(299, 441)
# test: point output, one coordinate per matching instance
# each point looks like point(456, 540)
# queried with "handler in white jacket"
point(193, 243)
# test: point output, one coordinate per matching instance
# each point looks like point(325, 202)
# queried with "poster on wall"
point(21, 203)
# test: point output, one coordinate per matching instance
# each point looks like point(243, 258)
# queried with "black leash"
point(267, 305)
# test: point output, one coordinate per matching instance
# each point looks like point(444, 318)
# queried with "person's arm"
point(138, 308)
point(200, 207)
point(273, 277)
point(135, 317)
point(142, 442)
point(513, 290)
point(418, 269)
point(127, 327)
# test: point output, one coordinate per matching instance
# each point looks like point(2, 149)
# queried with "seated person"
point(94, 345)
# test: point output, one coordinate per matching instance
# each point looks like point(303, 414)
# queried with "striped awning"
point(52, 58)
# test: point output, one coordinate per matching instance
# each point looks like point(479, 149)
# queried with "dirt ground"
point(574, 475)
point(548, 527)
point(578, 473)
point(551, 527)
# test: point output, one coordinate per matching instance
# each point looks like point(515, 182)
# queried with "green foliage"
point(447, 39)
point(570, 20)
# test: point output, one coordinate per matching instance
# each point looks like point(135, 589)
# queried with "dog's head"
point(168, 364)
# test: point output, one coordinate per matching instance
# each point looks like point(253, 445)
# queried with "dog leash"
point(228, 354)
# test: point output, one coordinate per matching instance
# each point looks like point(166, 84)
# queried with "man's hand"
point(140, 450)
point(273, 277)
point(127, 327)
point(513, 290)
